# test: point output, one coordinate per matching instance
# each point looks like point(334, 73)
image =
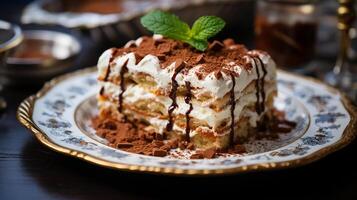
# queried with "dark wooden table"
point(28, 170)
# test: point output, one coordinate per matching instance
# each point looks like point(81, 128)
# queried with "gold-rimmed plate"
point(59, 116)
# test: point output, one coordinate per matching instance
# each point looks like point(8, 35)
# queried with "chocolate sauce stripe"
point(262, 83)
point(122, 85)
point(233, 105)
point(107, 72)
point(257, 87)
point(101, 91)
point(111, 59)
point(172, 95)
point(188, 101)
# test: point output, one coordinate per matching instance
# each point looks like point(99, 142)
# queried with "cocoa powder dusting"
point(134, 138)
point(124, 135)
point(214, 59)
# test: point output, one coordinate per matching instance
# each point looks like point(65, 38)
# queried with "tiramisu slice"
point(213, 98)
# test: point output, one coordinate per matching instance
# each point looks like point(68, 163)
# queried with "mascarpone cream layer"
point(134, 93)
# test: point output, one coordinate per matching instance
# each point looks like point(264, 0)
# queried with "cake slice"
point(214, 98)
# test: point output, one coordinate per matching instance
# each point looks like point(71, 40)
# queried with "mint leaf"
point(166, 24)
point(206, 27)
point(198, 44)
point(171, 26)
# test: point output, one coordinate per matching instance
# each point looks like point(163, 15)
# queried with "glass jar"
point(287, 30)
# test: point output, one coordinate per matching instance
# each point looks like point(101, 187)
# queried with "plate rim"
point(24, 115)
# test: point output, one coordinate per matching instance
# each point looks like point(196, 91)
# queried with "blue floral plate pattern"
point(59, 116)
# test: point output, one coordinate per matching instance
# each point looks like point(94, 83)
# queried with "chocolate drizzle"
point(233, 106)
point(174, 85)
point(101, 91)
point(259, 84)
point(111, 59)
point(262, 83)
point(123, 70)
point(188, 98)
point(257, 88)
point(107, 72)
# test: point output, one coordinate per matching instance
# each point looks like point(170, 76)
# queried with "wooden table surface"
point(28, 170)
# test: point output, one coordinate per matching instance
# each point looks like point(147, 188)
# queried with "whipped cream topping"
point(217, 87)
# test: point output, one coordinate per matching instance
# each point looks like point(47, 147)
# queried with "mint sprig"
point(171, 26)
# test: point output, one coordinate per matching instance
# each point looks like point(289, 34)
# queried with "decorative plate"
point(59, 116)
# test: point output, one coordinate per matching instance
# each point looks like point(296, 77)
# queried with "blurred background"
point(59, 36)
